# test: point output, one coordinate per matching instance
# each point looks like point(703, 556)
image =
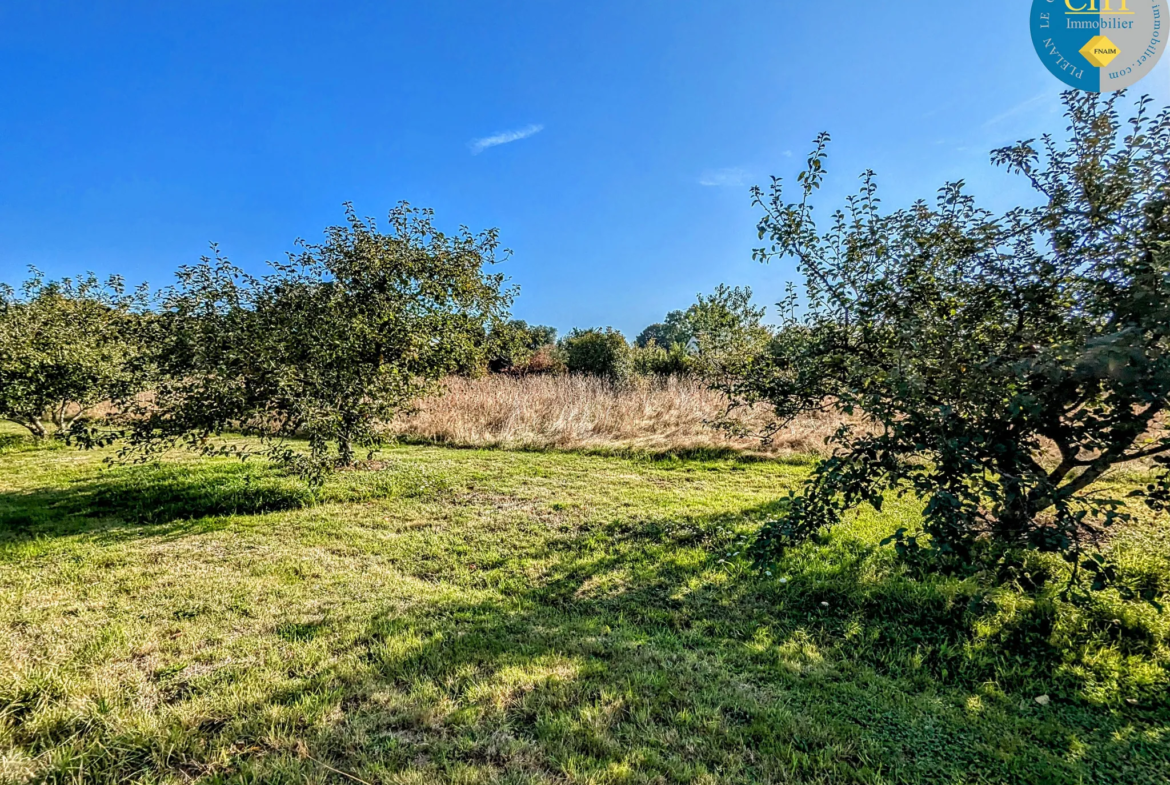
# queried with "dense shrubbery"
point(654, 359)
point(512, 346)
point(601, 352)
point(721, 334)
point(972, 339)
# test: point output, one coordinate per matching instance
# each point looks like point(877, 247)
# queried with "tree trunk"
point(345, 456)
point(34, 426)
point(1015, 517)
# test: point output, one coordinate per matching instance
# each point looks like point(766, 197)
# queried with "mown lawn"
point(489, 616)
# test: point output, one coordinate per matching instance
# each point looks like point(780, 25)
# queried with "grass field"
point(476, 616)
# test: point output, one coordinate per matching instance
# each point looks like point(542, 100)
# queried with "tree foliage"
point(717, 336)
point(328, 346)
point(1007, 361)
point(675, 329)
point(656, 360)
point(512, 344)
point(66, 346)
point(729, 333)
point(601, 352)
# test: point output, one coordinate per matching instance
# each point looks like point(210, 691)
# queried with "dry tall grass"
point(580, 412)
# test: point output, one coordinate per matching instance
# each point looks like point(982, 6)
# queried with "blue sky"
point(612, 143)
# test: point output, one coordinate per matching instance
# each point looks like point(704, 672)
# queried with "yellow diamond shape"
point(1100, 51)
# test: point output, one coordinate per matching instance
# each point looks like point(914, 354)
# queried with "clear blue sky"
point(133, 134)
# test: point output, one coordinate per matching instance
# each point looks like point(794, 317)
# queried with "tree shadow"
point(631, 656)
point(839, 675)
point(161, 496)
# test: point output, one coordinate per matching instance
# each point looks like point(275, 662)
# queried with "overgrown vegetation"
point(973, 339)
point(598, 352)
point(644, 415)
point(513, 346)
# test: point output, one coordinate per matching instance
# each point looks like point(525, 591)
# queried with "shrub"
point(717, 336)
point(729, 334)
point(601, 352)
point(653, 359)
point(545, 360)
point(512, 344)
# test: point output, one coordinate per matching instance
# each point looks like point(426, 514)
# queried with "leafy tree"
point(973, 340)
point(328, 346)
point(66, 346)
point(653, 359)
point(601, 352)
point(512, 344)
point(539, 335)
point(674, 330)
point(728, 331)
point(716, 336)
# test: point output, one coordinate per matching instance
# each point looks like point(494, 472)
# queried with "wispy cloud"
point(1019, 108)
point(723, 177)
point(479, 145)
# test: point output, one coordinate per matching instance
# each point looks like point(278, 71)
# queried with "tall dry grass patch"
point(583, 412)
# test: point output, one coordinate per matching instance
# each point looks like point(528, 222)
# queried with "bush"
point(716, 337)
point(601, 352)
point(729, 334)
point(511, 345)
point(654, 360)
point(545, 360)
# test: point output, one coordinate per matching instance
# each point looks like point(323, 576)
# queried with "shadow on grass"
point(666, 675)
point(155, 495)
point(628, 656)
point(843, 674)
point(171, 496)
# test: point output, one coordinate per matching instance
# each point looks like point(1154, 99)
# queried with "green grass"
point(475, 616)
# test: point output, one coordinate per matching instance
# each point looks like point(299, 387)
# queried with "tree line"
point(322, 350)
point(1000, 363)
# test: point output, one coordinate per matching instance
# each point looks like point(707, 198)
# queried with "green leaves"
point(601, 352)
point(327, 347)
point(1006, 362)
point(511, 345)
point(67, 346)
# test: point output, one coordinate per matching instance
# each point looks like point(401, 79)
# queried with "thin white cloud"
point(723, 177)
point(1019, 108)
point(479, 145)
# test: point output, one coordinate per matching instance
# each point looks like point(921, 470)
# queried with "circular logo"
point(1099, 45)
